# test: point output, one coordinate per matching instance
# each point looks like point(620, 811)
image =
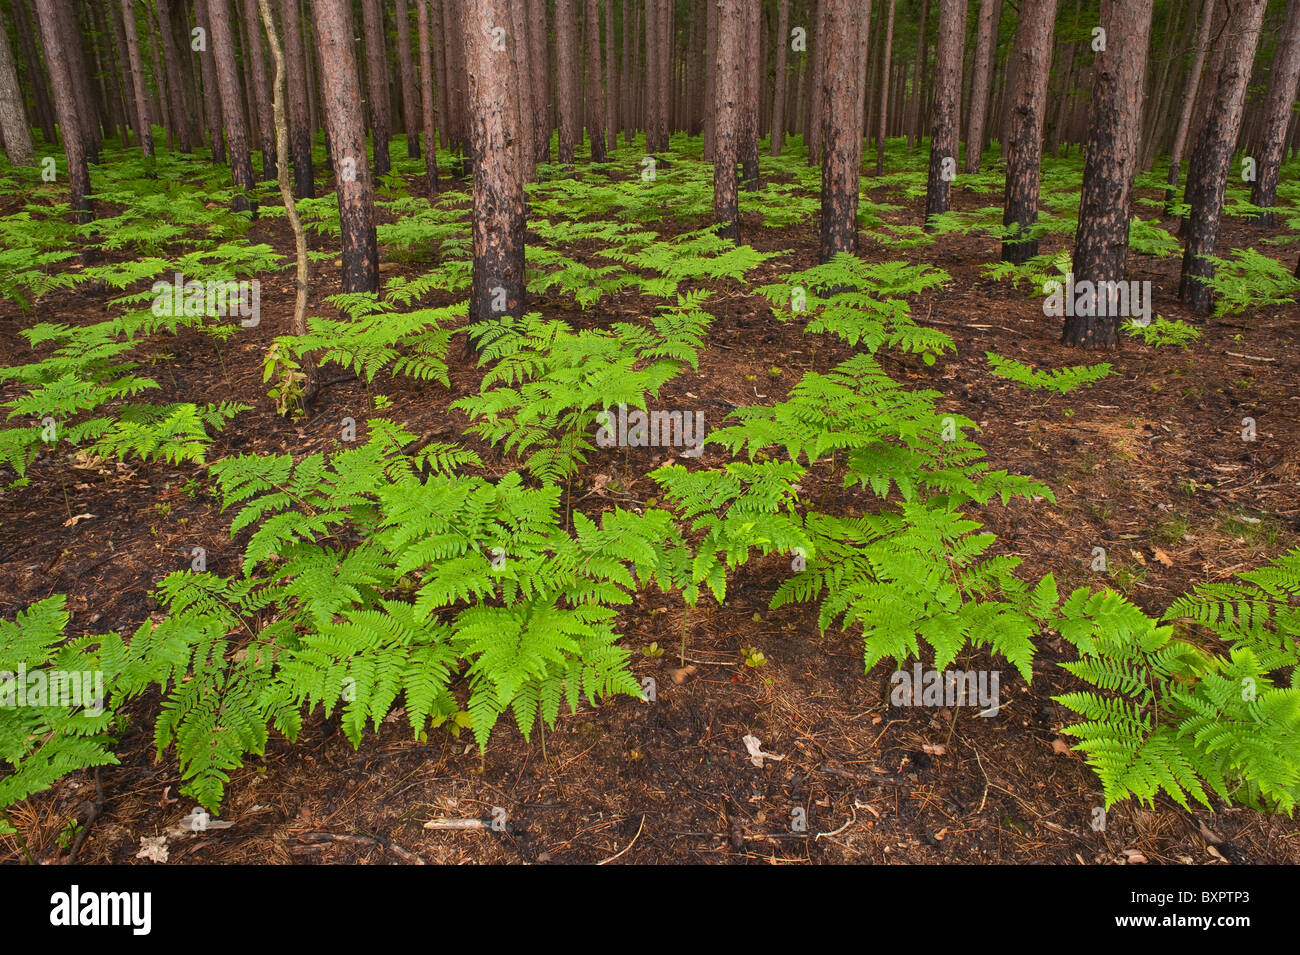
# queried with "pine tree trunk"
point(1110, 164)
point(947, 103)
point(87, 111)
point(372, 16)
point(255, 67)
point(1033, 64)
point(13, 118)
point(1278, 107)
point(728, 76)
point(841, 135)
point(65, 104)
point(710, 78)
point(542, 111)
point(882, 130)
point(595, 93)
point(171, 59)
point(1207, 176)
point(121, 99)
point(749, 94)
point(664, 34)
point(628, 84)
point(918, 65)
point(497, 285)
point(427, 102)
point(1189, 100)
point(144, 127)
point(221, 41)
point(817, 89)
point(981, 79)
point(611, 79)
point(566, 82)
point(521, 63)
point(778, 96)
point(340, 92)
point(211, 88)
point(410, 96)
point(34, 74)
point(161, 102)
point(300, 133)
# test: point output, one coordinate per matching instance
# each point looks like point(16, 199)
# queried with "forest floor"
point(1149, 463)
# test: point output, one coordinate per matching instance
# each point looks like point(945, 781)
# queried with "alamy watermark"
point(214, 299)
point(651, 429)
point(83, 688)
point(1101, 299)
point(921, 687)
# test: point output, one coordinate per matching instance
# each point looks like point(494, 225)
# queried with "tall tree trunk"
point(161, 102)
point(542, 111)
point(981, 78)
point(1189, 100)
point(171, 59)
point(411, 121)
point(497, 284)
point(222, 42)
point(1282, 83)
point(426, 96)
point(211, 87)
point(628, 85)
point(372, 15)
point(664, 34)
point(817, 88)
point(918, 66)
point(728, 77)
point(710, 78)
point(87, 111)
point(947, 103)
point(35, 75)
point(1033, 65)
point(566, 83)
point(121, 100)
point(300, 132)
point(749, 94)
point(778, 96)
point(65, 104)
point(882, 130)
point(255, 65)
point(340, 91)
point(611, 79)
point(521, 63)
point(1207, 176)
point(143, 124)
point(1056, 133)
point(13, 118)
point(595, 94)
point(1101, 243)
point(841, 127)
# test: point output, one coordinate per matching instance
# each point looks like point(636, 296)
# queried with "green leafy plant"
point(1059, 380)
point(1164, 715)
point(1162, 332)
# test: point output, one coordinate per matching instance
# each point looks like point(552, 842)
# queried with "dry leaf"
point(153, 848)
point(941, 834)
point(756, 754)
point(1133, 857)
point(72, 521)
point(934, 749)
point(1164, 558)
point(679, 674)
point(1060, 746)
